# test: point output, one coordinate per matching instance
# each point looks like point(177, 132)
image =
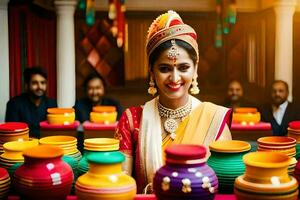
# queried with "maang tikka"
point(173, 52)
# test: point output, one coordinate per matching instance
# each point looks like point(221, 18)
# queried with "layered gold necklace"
point(173, 116)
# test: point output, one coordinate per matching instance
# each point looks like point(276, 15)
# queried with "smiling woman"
point(173, 116)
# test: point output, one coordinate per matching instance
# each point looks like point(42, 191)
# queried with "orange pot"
point(262, 166)
point(246, 118)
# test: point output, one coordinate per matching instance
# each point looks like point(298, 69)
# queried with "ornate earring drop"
point(194, 89)
point(152, 89)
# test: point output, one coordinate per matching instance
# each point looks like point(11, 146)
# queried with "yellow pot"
point(14, 150)
point(104, 118)
point(61, 119)
point(67, 143)
point(246, 117)
point(262, 166)
point(105, 179)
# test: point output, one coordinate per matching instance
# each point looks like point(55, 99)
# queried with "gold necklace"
point(172, 117)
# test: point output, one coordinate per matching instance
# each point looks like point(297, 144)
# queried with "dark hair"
point(166, 45)
point(91, 77)
point(30, 71)
point(283, 82)
point(235, 81)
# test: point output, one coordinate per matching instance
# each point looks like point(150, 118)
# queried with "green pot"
point(227, 166)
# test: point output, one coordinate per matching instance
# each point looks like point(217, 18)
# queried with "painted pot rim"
point(245, 110)
point(230, 146)
point(13, 127)
point(277, 140)
point(20, 145)
point(58, 139)
point(295, 125)
point(102, 109)
point(267, 159)
point(60, 110)
point(185, 152)
point(43, 152)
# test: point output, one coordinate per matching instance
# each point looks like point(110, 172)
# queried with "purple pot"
point(185, 175)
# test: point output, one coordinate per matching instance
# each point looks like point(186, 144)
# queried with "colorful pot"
point(105, 179)
point(94, 145)
point(13, 154)
point(266, 177)
point(43, 175)
point(227, 161)
point(60, 116)
point(104, 114)
point(67, 143)
point(13, 131)
point(246, 116)
point(185, 175)
point(286, 145)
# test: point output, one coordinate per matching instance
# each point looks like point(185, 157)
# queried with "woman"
point(174, 116)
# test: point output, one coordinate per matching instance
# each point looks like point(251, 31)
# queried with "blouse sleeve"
point(124, 134)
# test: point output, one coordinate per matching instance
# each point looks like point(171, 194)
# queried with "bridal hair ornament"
point(169, 26)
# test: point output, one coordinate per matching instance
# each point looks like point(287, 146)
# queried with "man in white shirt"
point(279, 112)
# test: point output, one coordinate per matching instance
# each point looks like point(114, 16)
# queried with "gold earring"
point(194, 89)
point(152, 89)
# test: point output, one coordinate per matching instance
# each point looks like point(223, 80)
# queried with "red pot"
point(43, 175)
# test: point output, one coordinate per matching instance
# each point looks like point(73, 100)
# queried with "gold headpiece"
point(169, 26)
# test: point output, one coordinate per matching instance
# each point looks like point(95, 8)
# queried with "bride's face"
point(173, 77)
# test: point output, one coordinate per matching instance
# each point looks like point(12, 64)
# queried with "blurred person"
point(235, 96)
point(31, 106)
point(94, 87)
point(279, 112)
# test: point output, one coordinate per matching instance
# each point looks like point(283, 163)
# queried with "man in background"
point(31, 106)
point(235, 96)
point(94, 86)
point(279, 112)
